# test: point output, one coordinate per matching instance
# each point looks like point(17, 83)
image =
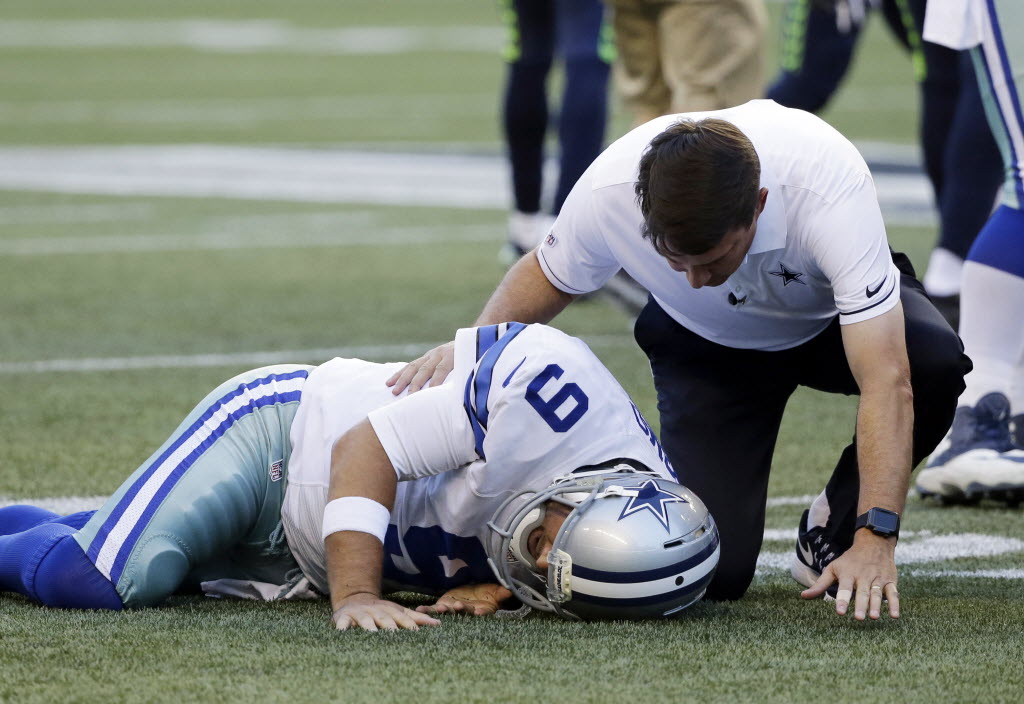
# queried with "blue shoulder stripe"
point(485, 339)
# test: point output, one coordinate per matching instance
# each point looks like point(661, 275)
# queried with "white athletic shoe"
point(978, 458)
point(525, 232)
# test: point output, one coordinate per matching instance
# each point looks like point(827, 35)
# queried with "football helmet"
point(634, 546)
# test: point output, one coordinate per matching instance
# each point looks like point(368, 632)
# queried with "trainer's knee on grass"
point(730, 583)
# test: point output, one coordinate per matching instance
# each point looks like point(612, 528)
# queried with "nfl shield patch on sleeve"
point(277, 471)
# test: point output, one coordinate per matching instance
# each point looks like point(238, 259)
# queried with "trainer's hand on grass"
point(866, 572)
point(371, 613)
point(472, 599)
point(429, 370)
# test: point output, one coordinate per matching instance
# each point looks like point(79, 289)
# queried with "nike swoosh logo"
point(878, 288)
point(508, 379)
point(805, 554)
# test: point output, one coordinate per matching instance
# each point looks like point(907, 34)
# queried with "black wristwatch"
point(879, 521)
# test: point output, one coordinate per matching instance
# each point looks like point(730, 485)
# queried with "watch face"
point(883, 521)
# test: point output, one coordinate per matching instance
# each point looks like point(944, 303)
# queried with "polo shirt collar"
point(771, 225)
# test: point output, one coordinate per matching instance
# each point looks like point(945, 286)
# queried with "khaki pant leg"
point(712, 52)
point(638, 70)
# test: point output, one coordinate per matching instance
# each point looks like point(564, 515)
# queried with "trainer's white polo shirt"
point(820, 247)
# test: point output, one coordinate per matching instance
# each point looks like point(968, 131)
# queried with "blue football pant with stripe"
point(206, 505)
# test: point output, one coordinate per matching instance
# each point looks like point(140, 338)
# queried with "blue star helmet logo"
point(653, 498)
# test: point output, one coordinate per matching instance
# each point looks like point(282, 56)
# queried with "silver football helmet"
point(634, 546)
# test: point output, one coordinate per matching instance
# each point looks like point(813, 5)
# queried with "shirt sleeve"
point(849, 244)
point(574, 256)
point(425, 433)
point(442, 428)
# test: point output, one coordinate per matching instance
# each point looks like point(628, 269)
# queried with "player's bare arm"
point(876, 351)
point(525, 295)
point(471, 599)
point(361, 468)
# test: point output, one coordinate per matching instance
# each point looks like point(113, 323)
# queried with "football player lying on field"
point(530, 466)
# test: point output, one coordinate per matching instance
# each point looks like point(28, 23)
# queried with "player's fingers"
point(432, 609)
point(893, 597)
point(421, 619)
point(364, 620)
point(342, 622)
point(402, 618)
point(818, 588)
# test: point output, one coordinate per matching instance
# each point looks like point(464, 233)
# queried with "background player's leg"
point(585, 46)
point(638, 69)
point(712, 53)
point(815, 55)
point(531, 28)
point(979, 457)
point(720, 414)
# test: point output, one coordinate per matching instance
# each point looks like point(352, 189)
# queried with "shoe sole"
point(807, 577)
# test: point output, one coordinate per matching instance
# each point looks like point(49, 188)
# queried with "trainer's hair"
point(698, 181)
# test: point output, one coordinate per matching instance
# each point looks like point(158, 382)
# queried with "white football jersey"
point(524, 405)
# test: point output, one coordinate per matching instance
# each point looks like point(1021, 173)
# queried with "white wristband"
point(356, 513)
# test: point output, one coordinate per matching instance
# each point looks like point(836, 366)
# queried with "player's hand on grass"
point(472, 599)
point(867, 573)
point(429, 370)
point(371, 613)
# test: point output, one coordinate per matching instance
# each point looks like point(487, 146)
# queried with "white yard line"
point(70, 214)
point(247, 36)
point(248, 111)
point(395, 352)
point(917, 548)
point(318, 176)
point(285, 238)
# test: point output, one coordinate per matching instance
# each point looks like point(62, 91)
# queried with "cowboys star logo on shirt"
point(788, 276)
point(653, 498)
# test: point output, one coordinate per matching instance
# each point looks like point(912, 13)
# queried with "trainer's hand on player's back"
point(370, 613)
point(429, 370)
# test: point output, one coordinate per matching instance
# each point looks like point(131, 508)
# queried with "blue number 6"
point(547, 409)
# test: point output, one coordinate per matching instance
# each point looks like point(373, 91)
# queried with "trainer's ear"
point(825, 581)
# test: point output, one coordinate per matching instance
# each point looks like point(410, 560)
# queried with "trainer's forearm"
point(525, 295)
point(885, 427)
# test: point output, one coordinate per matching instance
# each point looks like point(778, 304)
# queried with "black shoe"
point(815, 550)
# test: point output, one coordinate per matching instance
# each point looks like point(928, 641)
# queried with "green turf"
point(80, 433)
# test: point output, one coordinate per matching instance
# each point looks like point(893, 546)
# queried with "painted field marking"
point(458, 181)
point(247, 111)
point(247, 36)
point(283, 238)
point(399, 351)
point(916, 547)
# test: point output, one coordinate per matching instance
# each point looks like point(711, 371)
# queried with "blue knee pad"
point(47, 565)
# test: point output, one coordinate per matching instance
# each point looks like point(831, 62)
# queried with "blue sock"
point(47, 565)
point(1000, 243)
point(16, 519)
